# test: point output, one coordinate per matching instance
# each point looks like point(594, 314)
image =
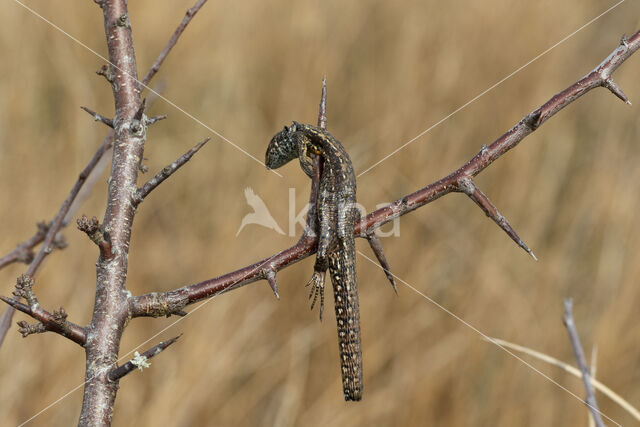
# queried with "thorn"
point(152, 120)
point(140, 112)
point(376, 247)
point(624, 41)
point(271, 279)
point(470, 189)
point(98, 117)
point(532, 119)
point(615, 89)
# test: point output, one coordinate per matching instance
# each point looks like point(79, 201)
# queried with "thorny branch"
point(590, 400)
point(163, 304)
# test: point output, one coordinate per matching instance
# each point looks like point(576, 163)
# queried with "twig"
point(590, 400)
point(91, 227)
point(99, 117)
point(171, 43)
point(56, 322)
point(154, 304)
point(140, 360)
point(166, 172)
point(635, 413)
point(24, 251)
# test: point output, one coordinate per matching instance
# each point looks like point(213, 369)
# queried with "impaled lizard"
point(337, 214)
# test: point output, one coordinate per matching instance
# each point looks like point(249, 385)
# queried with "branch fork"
point(56, 322)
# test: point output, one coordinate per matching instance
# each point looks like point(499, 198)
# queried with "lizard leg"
point(327, 224)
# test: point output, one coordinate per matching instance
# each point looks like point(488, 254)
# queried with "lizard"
point(337, 214)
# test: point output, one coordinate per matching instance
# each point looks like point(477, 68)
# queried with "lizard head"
point(283, 147)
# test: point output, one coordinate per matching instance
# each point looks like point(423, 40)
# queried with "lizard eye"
point(286, 129)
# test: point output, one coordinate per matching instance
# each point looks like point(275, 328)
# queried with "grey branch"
point(582, 362)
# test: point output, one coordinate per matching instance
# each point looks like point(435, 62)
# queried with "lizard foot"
point(317, 287)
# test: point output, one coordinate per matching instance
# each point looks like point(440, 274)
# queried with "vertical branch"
point(590, 400)
point(111, 303)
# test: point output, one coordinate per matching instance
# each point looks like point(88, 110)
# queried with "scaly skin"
point(337, 215)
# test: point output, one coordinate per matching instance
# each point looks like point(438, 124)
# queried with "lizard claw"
point(317, 287)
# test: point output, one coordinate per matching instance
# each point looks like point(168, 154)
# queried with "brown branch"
point(166, 172)
point(140, 360)
point(110, 312)
point(171, 43)
point(590, 400)
point(99, 117)
point(145, 305)
point(56, 322)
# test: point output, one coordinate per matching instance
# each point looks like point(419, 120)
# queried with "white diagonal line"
point(472, 100)
point(487, 338)
point(168, 101)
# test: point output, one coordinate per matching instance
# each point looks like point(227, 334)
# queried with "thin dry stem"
point(635, 413)
point(590, 400)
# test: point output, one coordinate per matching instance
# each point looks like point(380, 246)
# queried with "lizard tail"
point(343, 278)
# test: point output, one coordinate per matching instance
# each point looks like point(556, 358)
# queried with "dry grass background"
point(394, 68)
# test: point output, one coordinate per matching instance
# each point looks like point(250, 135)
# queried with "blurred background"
point(394, 69)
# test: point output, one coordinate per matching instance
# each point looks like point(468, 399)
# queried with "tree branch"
point(110, 311)
point(582, 362)
point(154, 304)
point(56, 322)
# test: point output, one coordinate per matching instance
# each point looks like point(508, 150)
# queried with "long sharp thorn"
point(376, 247)
point(474, 193)
point(616, 90)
